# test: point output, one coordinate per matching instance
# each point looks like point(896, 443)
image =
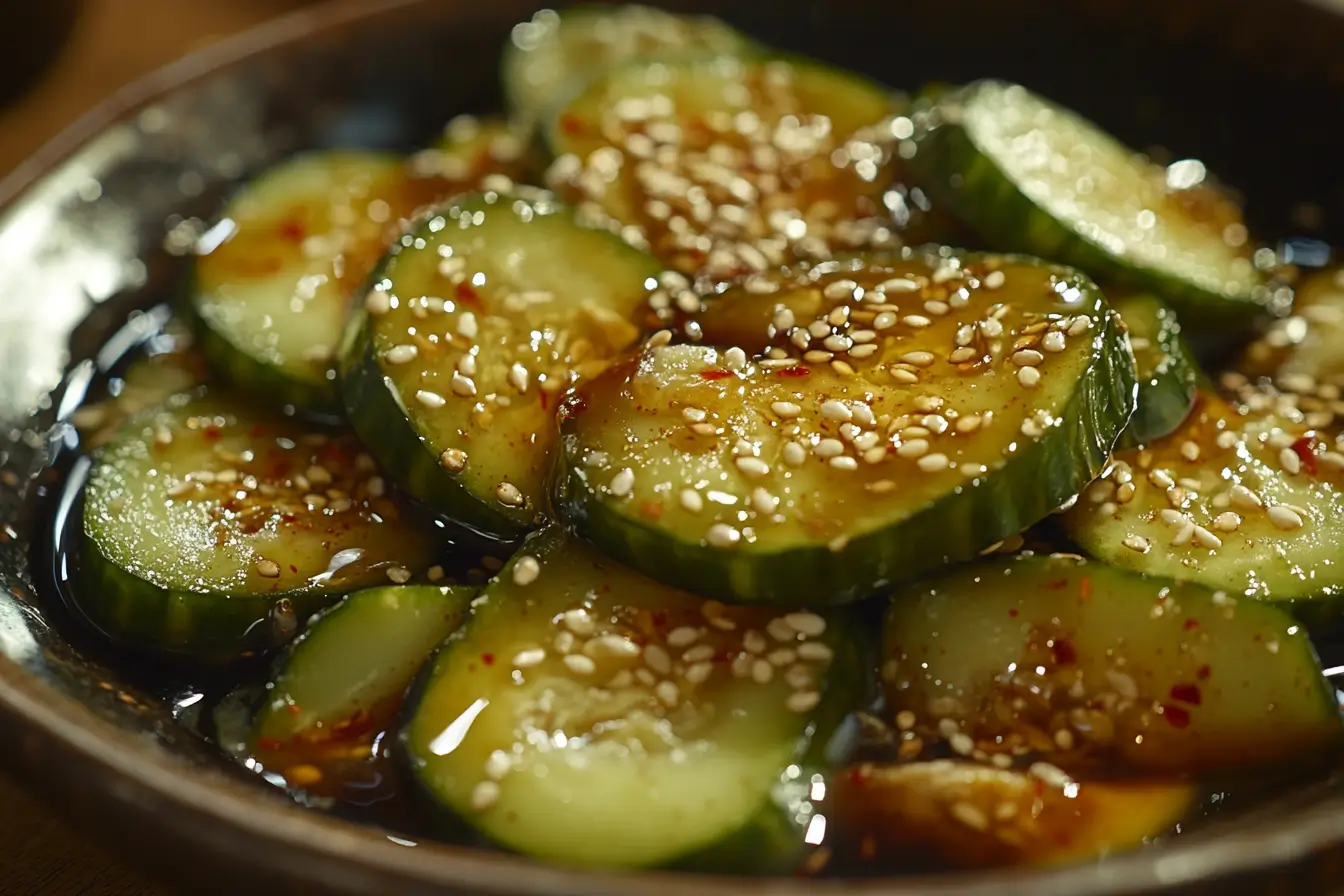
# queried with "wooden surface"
point(114, 42)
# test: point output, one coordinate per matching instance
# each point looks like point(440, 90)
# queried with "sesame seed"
point(533, 656)
point(1028, 358)
point(466, 365)
point(763, 502)
point(401, 354)
point(268, 569)
point(884, 321)
point(466, 325)
point(779, 629)
point(967, 814)
point(836, 410)
point(518, 377)
point(657, 659)
point(1226, 522)
point(683, 636)
point(933, 463)
point(430, 399)
point(1080, 325)
point(721, 535)
point(690, 500)
point(1054, 342)
point(434, 573)
point(1207, 539)
point(919, 359)
point(1290, 462)
point(612, 646)
point(579, 664)
point(807, 624)
point(735, 359)
point(840, 289)
point(1175, 517)
point(782, 657)
point(453, 459)
point(1244, 498)
point(829, 448)
point(913, 448)
point(902, 375)
point(795, 454)
point(1028, 376)
point(817, 356)
point(844, 463)
point(917, 321)
point(762, 672)
point(751, 466)
point(786, 409)
point(378, 302)
point(1136, 543)
point(660, 339)
point(622, 483)
point(526, 570)
point(484, 795)
point(961, 743)
point(802, 701)
point(1186, 532)
point(994, 279)
point(1285, 518)
point(1125, 493)
point(563, 642)
point(462, 385)
point(1053, 774)
point(898, 284)
point(508, 494)
point(936, 308)
point(1190, 450)
point(863, 351)
point(497, 765)
point(1064, 739)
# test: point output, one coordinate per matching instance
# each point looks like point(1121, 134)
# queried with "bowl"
point(96, 226)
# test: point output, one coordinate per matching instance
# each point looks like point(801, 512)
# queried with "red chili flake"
point(858, 775)
point(293, 230)
point(488, 659)
point(269, 743)
point(1202, 672)
point(795, 371)
point(1063, 652)
point(1085, 589)
point(1175, 716)
point(1055, 585)
point(1012, 612)
point(571, 124)
point(293, 568)
point(256, 431)
point(652, 509)
point(1190, 623)
point(293, 709)
point(1187, 693)
point(288, 517)
point(467, 293)
point(715, 373)
point(570, 408)
point(1304, 449)
point(212, 433)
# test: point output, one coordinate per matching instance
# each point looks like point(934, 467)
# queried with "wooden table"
point(114, 42)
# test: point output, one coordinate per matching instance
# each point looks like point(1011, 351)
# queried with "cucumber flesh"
point(1085, 664)
point(471, 331)
point(789, 480)
point(1300, 354)
point(590, 716)
point(724, 165)
point(1032, 176)
point(1239, 500)
point(471, 149)
point(551, 53)
point(1167, 371)
point(211, 529)
point(275, 277)
point(950, 814)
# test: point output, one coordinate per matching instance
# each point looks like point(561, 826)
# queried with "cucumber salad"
point(642, 478)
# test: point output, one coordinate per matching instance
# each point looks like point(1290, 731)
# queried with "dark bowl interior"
point(94, 228)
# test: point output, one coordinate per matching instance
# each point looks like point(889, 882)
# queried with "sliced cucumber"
point(590, 716)
point(946, 813)
point(551, 53)
point(727, 165)
point(472, 148)
point(1035, 177)
point(1301, 353)
point(1086, 663)
point(276, 274)
point(950, 403)
point(1168, 373)
point(211, 530)
point(353, 663)
point(1236, 500)
point(471, 332)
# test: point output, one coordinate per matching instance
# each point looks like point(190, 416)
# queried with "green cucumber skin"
point(1028, 489)
point(1165, 397)
point(953, 170)
point(188, 626)
point(377, 415)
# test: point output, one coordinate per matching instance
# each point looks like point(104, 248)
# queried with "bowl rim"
point(348, 857)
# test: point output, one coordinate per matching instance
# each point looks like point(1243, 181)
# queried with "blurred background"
point(58, 58)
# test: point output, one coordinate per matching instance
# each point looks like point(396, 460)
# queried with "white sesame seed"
point(786, 410)
point(840, 289)
point(497, 765)
point(807, 624)
point(1054, 342)
point(884, 321)
point(268, 569)
point(1125, 493)
point(1028, 358)
point(721, 535)
point(690, 500)
point(657, 659)
point(466, 324)
point(1226, 522)
point(1136, 543)
point(612, 645)
point(463, 385)
point(526, 570)
point(844, 463)
point(453, 459)
point(829, 448)
point(484, 795)
point(1190, 450)
point(762, 672)
point(466, 365)
point(579, 664)
point(763, 502)
point(961, 743)
point(430, 399)
point(933, 463)
point(969, 423)
point(508, 493)
point(683, 636)
point(622, 483)
point(901, 375)
point(1291, 463)
point(1187, 532)
point(916, 321)
point(919, 359)
point(378, 302)
point(994, 279)
point(794, 454)
point(779, 629)
point(533, 656)
point(1028, 376)
point(802, 701)
point(1175, 517)
point(1285, 518)
point(518, 377)
point(1207, 539)
point(753, 466)
point(898, 284)
point(1080, 325)
point(698, 673)
point(991, 327)
point(913, 448)
point(836, 410)
point(782, 657)
point(401, 354)
point(1244, 498)
point(815, 651)
point(667, 693)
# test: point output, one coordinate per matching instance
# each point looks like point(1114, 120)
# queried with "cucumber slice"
point(1086, 663)
point(946, 813)
point(1036, 177)
point(731, 165)
point(590, 716)
point(344, 678)
point(471, 148)
point(211, 529)
point(277, 273)
point(1242, 501)
point(1301, 353)
point(888, 450)
point(1168, 373)
point(471, 331)
point(552, 52)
